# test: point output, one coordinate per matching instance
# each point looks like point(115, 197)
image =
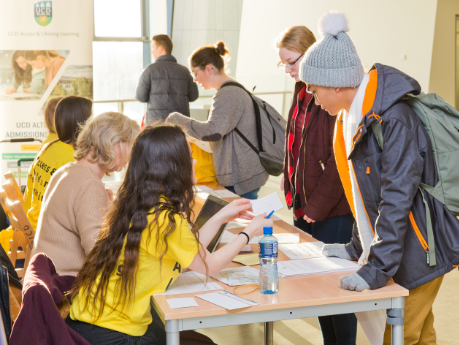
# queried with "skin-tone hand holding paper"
point(267, 204)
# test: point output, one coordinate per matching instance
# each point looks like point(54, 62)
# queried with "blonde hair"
point(296, 39)
point(100, 134)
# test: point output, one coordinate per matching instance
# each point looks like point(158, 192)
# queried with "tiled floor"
point(307, 331)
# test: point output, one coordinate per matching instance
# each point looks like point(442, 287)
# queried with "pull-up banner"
point(45, 52)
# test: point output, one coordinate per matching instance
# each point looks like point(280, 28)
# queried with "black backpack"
point(270, 127)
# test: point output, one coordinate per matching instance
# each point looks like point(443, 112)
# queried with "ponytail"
point(216, 55)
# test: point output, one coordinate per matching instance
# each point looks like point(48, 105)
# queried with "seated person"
point(76, 201)
point(146, 242)
point(50, 109)
point(70, 113)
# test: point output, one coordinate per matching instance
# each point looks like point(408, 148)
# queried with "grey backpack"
point(270, 127)
point(441, 122)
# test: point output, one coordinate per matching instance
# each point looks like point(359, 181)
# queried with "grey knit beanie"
point(332, 61)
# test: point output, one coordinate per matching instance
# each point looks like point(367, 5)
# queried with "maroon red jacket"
point(321, 194)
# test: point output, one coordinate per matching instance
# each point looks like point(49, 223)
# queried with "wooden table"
point(298, 297)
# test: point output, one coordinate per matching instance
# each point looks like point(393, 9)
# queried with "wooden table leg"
point(269, 330)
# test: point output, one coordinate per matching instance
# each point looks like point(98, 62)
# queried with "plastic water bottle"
point(269, 278)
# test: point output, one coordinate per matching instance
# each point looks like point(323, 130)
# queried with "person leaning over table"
point(237, 166)
point(383, 185)
point(76, 200)
point(146, 242)
point(311, 181)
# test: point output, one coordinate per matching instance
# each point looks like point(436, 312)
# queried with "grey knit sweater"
point(235, 163)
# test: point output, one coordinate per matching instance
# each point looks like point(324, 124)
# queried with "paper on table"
point(233, 225)
point(315, 266)
point(373, 324)
point(227, 300)
point(227, 237)
point(247, 259)
point(203, 145)
point(246, 249)
point(267, 204)
point(202, 195)
point(223, 193)
point(304, 250)
point(181, 302)
point(236, 276)
point(191, 282)
point(281, 238)
point(202, 188)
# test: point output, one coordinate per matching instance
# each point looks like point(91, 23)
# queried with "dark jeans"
point(155, 334)
point(336, 329)
point(250, 195)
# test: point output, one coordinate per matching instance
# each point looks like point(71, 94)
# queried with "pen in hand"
point(269, 215)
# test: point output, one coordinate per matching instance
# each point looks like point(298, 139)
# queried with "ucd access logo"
point(43, 12)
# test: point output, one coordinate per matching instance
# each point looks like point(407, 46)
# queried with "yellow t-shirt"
point(49, 138)
point(204, 167)
point(152, 278)
point(41, 171)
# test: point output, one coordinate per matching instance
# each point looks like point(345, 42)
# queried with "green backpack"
point(441, 122)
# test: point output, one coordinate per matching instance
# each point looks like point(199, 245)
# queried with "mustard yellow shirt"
point(152, 278)
point(49, 138)
point(41, 171)
point(204, 167)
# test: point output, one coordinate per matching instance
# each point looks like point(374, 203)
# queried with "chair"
point(12, 189)
point(23, 232)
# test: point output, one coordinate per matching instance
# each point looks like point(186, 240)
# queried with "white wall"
point(383, 31)
point(442, 74)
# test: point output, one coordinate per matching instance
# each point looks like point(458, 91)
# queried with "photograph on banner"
point(26, 74)
point(76, 81)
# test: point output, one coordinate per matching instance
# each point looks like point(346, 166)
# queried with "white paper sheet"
point(373, 324)
point(306, 250)
point(238, 276)
point(191, 282)
point(175, 303)
point(203, 145)
point(267, 204)
point(202, 188)
point(223, 193)
point(227, 300)
point(233, 225)
point(315, 266)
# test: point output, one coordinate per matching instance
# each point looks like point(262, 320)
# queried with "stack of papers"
point(227, 300)
point(305, 250)
point(315, 266)
point(238, 276)
point(202, 188)
point(222, 194)
point(247, 259)
point(175, 303)
point(191, 282)
point(227, 237)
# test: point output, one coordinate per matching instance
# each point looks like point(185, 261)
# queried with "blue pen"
point(269, 215)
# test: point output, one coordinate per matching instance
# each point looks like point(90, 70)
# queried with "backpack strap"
point(257, 119)
point(377, 131)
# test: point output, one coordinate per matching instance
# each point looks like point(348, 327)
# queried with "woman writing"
point(311, 182)
point(237, 166)
point(32, 80)
point(76, 201)
point(146, 242)
point(51, 60)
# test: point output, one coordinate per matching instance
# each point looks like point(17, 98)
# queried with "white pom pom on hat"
point(332, 23)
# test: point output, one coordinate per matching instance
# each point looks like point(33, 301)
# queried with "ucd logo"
point(43, 12)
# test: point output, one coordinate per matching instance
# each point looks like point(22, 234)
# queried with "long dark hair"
point(20, 75)
point(158, 179)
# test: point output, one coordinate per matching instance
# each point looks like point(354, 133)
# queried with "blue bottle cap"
point(267, 230)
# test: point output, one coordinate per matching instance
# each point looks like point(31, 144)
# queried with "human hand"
point(309, 220)
point(236, 209)
point(255, 228)
point(337, 250)
point(110, 194)
point(282, 184)
point(25, 89)
point(354, 282)
point(11, 90)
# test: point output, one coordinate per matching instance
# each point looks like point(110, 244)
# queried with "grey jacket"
point(235, 163)
point(167, 87)
point(389, 185)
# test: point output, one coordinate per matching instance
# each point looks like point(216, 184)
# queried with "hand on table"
point(11, 90)
point(309, 220)
point(337, 250)
point(236, 209)
point(354, 282)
